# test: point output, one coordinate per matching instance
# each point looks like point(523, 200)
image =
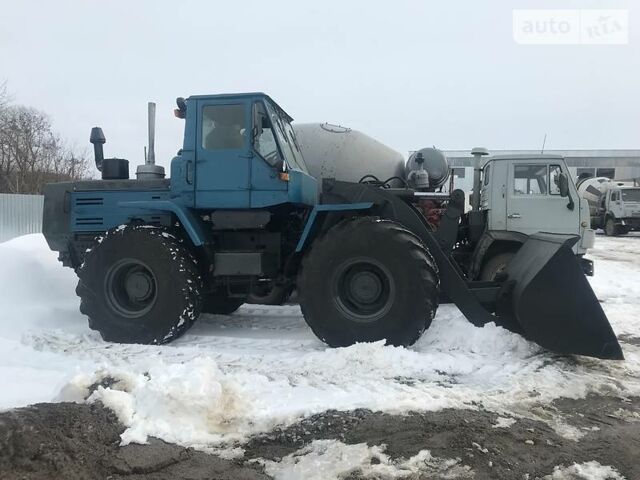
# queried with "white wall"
point(20, 215)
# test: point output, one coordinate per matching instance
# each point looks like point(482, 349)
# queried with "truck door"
point(223, 154)
point(615, 205)
point(534, 203)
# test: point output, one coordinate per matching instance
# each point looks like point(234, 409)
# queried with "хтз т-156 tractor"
point(371, 260)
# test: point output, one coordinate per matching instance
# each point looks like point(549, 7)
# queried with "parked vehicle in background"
point(614, 206)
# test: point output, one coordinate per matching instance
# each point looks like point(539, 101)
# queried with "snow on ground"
point(585, 471)
point(231, 376)
point(329, 459)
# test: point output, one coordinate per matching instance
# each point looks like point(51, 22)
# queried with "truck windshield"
point(631, 195)
point(286, 139)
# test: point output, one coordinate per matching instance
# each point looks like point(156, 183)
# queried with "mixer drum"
point(332, 151)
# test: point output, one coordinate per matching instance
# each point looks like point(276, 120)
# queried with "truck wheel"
point(610, 228)
point(367, 280)
point(139, 285)
point(495, 265)
point(220, 304)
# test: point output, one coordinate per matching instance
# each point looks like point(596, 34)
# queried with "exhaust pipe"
point(477, 153)
point(150, 170)
point(151, 155)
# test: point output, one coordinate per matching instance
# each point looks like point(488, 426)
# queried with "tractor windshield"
point(286, 138)
point(631, 195)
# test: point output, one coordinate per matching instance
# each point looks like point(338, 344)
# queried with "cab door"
point(223, 154)
point(534, 203)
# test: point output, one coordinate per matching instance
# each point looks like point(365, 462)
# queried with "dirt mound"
point(75, 442)
point(522, 448)
point(71, 441)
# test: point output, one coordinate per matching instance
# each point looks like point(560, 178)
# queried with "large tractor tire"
point(367, 280)
point(220, 304)
point(139, 285)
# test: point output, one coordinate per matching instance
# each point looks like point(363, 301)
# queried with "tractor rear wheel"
point(367, 280)
point(139, 285)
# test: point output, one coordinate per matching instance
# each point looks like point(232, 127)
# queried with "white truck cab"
point(522, 193)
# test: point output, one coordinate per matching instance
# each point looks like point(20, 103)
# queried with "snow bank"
point(36, 294)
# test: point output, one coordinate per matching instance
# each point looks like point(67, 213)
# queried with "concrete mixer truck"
point(371, 258)
point(614, 206)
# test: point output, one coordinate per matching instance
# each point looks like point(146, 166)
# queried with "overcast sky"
point(409, 73)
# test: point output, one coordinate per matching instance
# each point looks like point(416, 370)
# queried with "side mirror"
point(563, 185)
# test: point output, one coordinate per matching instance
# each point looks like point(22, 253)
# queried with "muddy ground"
point(74, 441)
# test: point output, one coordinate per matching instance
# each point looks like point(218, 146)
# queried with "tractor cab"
point(239, 152)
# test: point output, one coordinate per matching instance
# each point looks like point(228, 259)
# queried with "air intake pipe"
point(98, 140)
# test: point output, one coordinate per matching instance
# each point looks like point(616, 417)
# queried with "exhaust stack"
point(150, 170)
point(477, 153)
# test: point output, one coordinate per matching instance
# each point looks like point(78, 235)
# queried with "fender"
point(316, 217)
point(191, 223)
point(486, 240)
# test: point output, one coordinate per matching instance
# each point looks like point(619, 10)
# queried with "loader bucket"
point(547, 295)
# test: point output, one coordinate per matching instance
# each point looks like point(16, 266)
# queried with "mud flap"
point(546, 295)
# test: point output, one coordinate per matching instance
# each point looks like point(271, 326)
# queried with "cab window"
point(631, 195)
point(554, 179)
point(487, 171)
point(530, 180)
point(223, 127)
point(281, 136)
point(264, 140)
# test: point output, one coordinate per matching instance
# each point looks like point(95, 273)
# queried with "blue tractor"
point(240, 210)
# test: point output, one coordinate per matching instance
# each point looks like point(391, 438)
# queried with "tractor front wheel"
point(139, 285)
point(367, 280)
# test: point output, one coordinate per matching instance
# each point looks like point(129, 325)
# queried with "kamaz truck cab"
point(525, 194)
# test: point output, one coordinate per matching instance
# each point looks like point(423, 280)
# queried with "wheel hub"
point(138, 285)
point(130, 288)
point(363, 289)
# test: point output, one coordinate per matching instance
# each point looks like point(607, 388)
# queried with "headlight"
point(583, 224)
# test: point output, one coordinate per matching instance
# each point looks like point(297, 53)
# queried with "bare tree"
point(31, 154)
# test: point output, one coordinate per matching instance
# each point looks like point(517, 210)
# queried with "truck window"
point(264, 141)
point(487, 170)
point(614, 196)
point(631, 195)
point(530, 180)
point(223, 127)
point(554, 179)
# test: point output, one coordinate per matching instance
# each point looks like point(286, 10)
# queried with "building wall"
point(20, 215)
